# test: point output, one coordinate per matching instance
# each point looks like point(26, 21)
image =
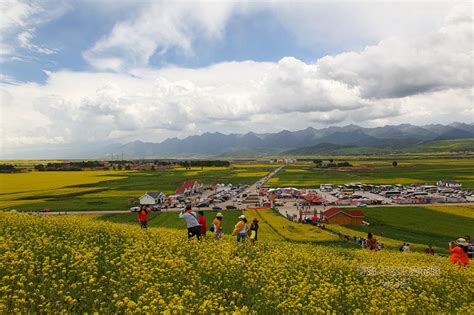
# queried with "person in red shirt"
point(143, 216)
point(202, 222)
point(459, 253)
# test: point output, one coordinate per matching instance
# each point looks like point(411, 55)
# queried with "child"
point(253, 231)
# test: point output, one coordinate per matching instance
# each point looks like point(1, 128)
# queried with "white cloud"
point(19, 20)
point(157, 27)
point(294, 86)
point(24, 38)
point(397, 68)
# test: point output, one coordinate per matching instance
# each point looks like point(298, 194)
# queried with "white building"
point(152, 198)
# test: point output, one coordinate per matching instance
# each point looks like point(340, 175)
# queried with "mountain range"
point(350, 139)
point(347, 140)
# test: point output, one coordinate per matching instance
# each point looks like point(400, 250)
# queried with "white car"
point(135, 209)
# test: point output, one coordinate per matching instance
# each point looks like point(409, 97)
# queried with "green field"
point(171, 220)
point(418, 226)
point(110, 190)
point(379, 172)
point(272, 226)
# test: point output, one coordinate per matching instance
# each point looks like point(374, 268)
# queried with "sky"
point(104, 71)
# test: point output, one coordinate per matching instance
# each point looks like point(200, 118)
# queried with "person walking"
point(194, 228)
point(253, 231)
point(459, 252)
point(240, 229)
point(143, 216)
point(202, 222)
point(218, 226)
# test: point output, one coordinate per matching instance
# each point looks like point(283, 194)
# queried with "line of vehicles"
point(213, 201)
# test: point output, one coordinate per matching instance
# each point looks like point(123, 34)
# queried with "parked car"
point(156, 208)
point(231, 207)
point(216, 208)
point(135, 209)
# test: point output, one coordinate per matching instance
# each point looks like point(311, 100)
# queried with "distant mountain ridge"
point(390, 138)
point(345, 140)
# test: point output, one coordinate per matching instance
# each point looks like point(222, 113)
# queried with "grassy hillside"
point(455, 145)
point(80, 264)
point(438, 146)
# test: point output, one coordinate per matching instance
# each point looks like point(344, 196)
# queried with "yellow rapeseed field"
point(20, 185)
point(61, 264)
point(42, 181)
point(463, 211)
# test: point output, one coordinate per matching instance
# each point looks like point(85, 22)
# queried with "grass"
point(380, 172)
point(272, 225)
point(110, 190)
point(171, 220)
point(415, 225)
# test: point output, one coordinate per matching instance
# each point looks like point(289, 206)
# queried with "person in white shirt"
point(194, 228)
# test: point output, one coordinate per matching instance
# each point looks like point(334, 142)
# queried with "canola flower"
point(61, 264)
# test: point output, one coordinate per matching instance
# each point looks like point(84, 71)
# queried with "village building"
point(338, 216)
point(189, 188)
point(152, 198)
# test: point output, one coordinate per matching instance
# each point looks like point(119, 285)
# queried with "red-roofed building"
point(338, 216)
point(189, 187)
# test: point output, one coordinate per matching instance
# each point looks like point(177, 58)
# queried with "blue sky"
point(229, 66)
point(258, 36)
